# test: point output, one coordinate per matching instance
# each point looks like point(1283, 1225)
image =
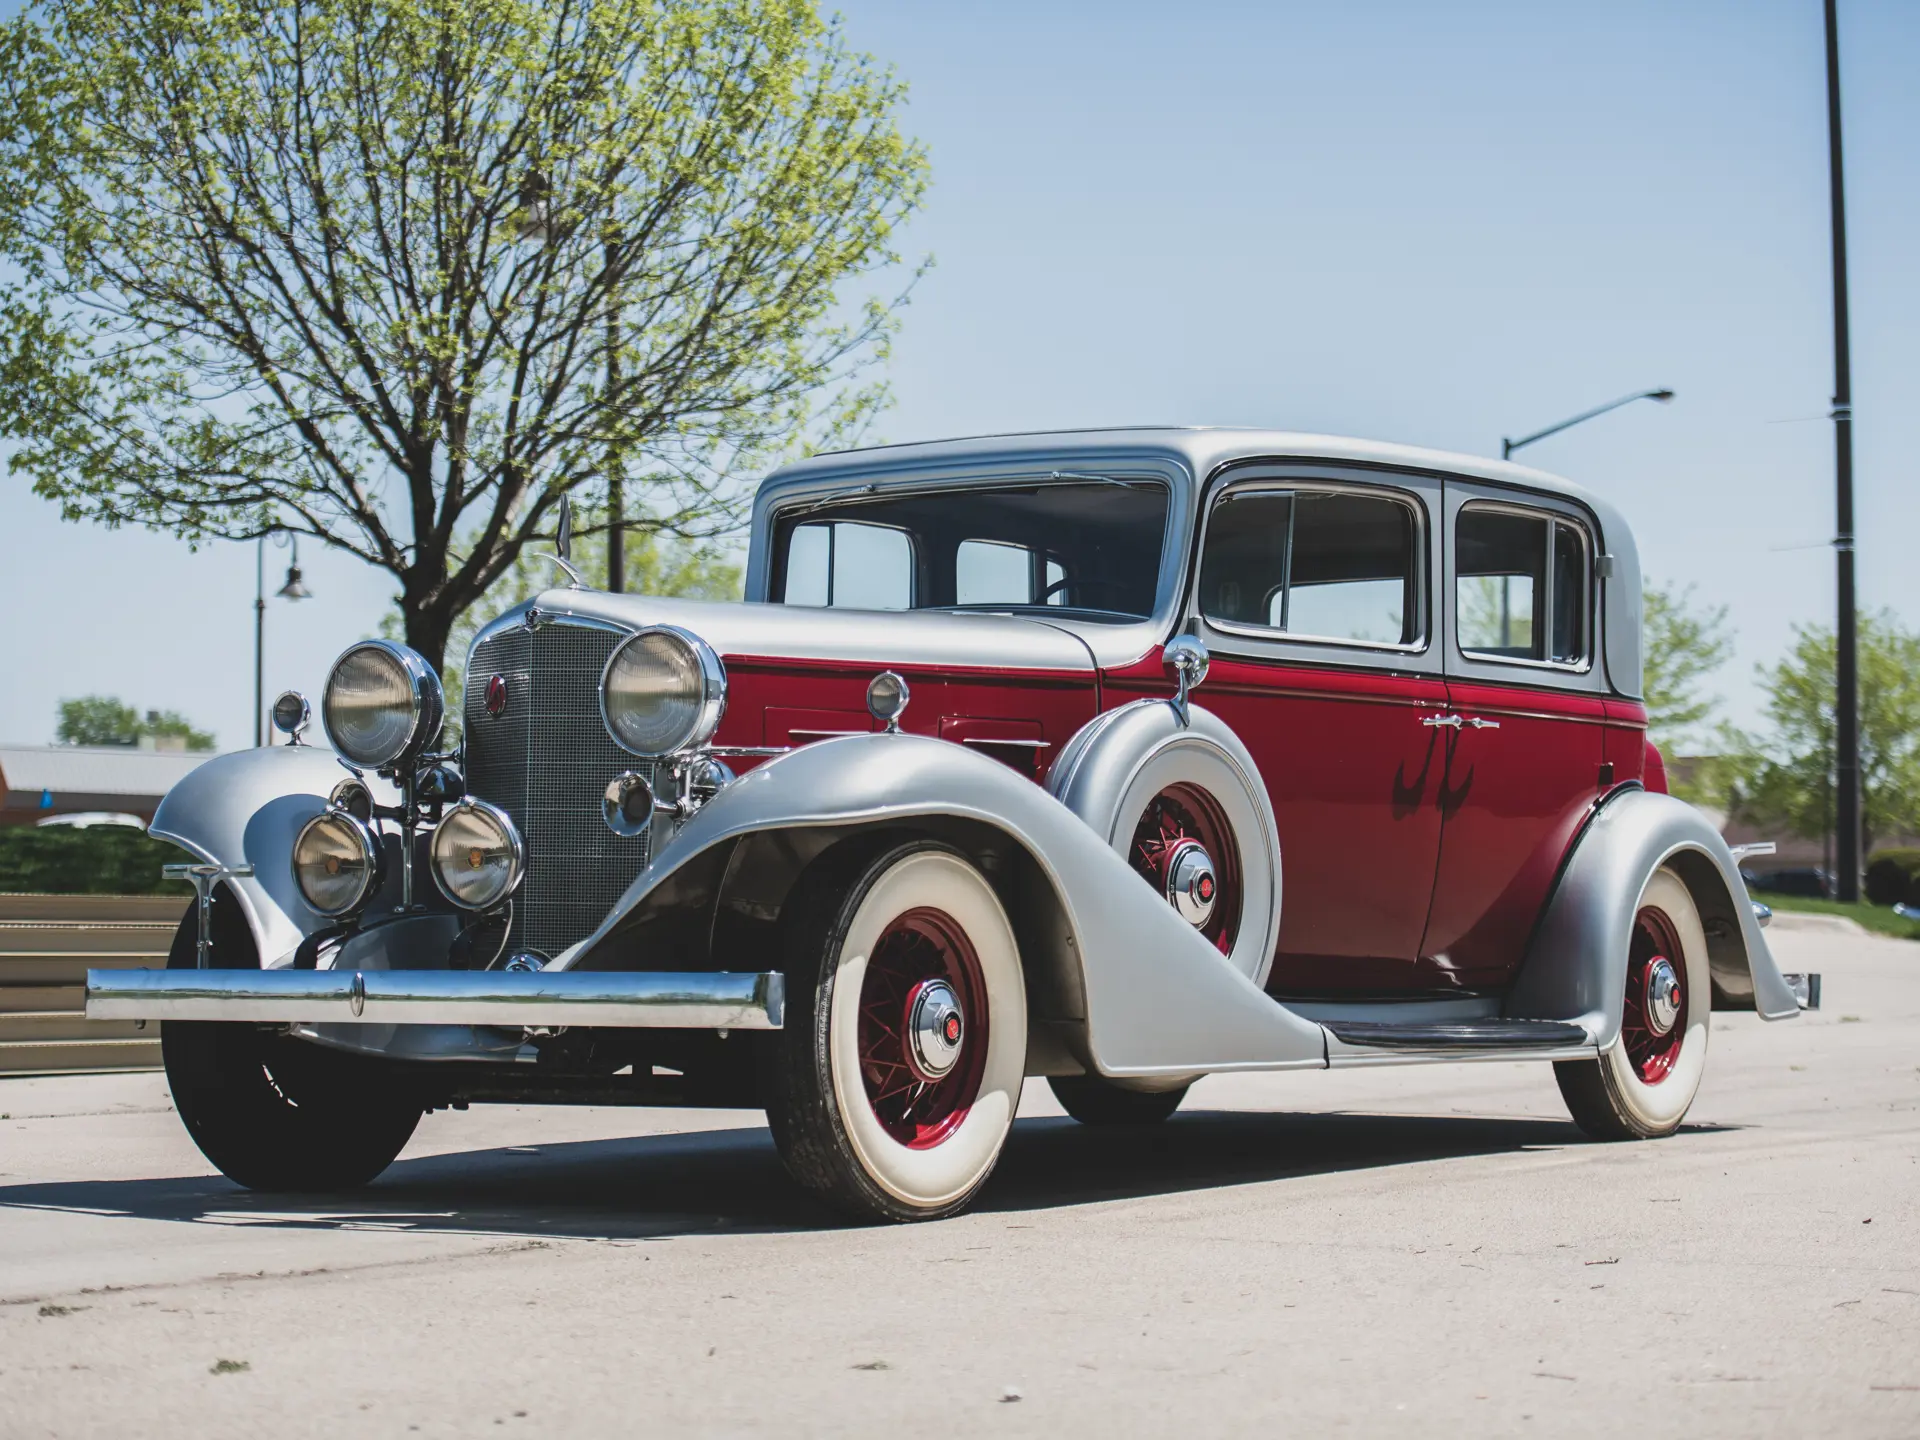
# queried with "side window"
point(992, 572)
point(1521, 586)
point(1316, 564)
point(851, 566)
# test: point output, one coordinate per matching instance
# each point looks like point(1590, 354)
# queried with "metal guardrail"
point(47, 945)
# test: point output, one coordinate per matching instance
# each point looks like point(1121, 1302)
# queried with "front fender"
point(247, 808)
point(1159, 999)
point(1576, 966)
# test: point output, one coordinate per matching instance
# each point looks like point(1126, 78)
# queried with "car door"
point(1313, 595)
point(1527, 727)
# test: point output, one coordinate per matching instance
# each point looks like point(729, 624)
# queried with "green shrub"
point(100, 860)
point(1894, 876)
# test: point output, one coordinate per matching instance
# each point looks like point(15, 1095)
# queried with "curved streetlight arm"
point(1507, 447)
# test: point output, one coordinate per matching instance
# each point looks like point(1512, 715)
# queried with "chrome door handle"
point(1442, 722)
point(1477, 723)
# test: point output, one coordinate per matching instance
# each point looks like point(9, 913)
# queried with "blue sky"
point(1427, 223)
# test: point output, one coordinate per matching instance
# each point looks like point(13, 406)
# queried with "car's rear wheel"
point(898, 1071)
point(1642, 1087)
point(271, 1112)
point(1094, 1101)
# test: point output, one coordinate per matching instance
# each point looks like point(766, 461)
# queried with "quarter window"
point(1316, 564)
point(1521, 586)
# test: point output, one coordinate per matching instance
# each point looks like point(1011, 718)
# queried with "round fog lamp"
point(477, 855)
point(336, 863)
point(291, 713)
point(663, 691)
point(887, 696)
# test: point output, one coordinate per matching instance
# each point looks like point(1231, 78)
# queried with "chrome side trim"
point(736, 1000)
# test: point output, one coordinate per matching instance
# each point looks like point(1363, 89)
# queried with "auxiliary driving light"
point(478, 856)
point(336, 863)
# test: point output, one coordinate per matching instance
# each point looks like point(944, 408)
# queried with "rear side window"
point(1315, 564)
point(1521, 586)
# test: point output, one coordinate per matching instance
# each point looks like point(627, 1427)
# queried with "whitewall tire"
point(1644, 1085)
point(898, 1072)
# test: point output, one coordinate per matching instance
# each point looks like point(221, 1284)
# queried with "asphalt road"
point(1431, 1249)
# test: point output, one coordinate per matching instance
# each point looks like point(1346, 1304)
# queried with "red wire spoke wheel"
point(1184, 848)
point(923, 1028)
point(896, 1077)
point(1654, 1024)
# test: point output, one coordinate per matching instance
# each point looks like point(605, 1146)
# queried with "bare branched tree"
point(400, 274)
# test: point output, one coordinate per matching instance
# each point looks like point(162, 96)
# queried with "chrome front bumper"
point(697, 1001)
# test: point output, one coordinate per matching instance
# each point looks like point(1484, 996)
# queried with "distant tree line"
point(1781, 775)
point(105, 720)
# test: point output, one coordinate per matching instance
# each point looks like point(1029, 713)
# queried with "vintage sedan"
point(1119, 758)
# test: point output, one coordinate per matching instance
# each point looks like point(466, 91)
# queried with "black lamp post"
point(1846, 677)
point(1507, 447)
point(294, 589)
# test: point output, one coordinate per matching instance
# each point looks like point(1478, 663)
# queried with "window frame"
point(833, 544)
point(1418, 584)
point(1554, 519)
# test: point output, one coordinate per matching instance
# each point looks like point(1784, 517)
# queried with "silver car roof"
point(1198, 452)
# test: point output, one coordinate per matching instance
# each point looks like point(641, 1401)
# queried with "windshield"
point(1085, 548)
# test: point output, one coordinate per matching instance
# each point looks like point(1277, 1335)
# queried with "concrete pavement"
point(1427, 1249)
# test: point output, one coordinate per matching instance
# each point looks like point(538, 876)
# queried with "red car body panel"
point(789, 702)
point(1513, 800)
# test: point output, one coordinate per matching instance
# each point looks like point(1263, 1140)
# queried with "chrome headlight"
point(477, 855)
point(336, 863)
point(664, 690)
point(383, 703)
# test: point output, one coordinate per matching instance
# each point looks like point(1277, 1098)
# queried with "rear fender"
point(247, 809)
point(1156, 998)
point(1576, 965)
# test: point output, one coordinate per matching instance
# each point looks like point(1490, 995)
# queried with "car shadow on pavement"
point(730, 1179)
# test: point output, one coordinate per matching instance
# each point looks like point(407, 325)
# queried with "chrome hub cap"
point(935, 1029)
point(1192, 887)
point(1663, 996)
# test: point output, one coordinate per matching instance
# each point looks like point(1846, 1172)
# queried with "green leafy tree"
point(1786, 776)
point(400, 274)
point(1683, 643)
point(104, 720)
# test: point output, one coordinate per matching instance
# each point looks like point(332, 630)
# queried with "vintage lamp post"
point(294, 589)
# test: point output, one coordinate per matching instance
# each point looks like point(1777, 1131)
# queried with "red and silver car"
point(1116, 758)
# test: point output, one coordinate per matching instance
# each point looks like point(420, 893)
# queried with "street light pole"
point(259, 641)
point(616, 496)
point(1507, 447)
point(1846, 759)
point(294, 589)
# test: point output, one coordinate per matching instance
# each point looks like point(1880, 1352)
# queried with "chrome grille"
point(546, 761)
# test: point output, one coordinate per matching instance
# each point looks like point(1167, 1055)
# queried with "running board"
point(625, 998)
point(1440, 1037)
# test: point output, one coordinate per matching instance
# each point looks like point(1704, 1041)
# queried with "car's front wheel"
point(897, 1074)
point(272, 1112)
point(1642, 1087)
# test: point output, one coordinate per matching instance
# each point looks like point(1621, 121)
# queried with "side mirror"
point(1186, 659)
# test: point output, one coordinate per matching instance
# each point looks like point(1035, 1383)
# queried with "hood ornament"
point(563, 546)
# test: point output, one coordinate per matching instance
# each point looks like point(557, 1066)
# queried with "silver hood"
point(919, 638)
